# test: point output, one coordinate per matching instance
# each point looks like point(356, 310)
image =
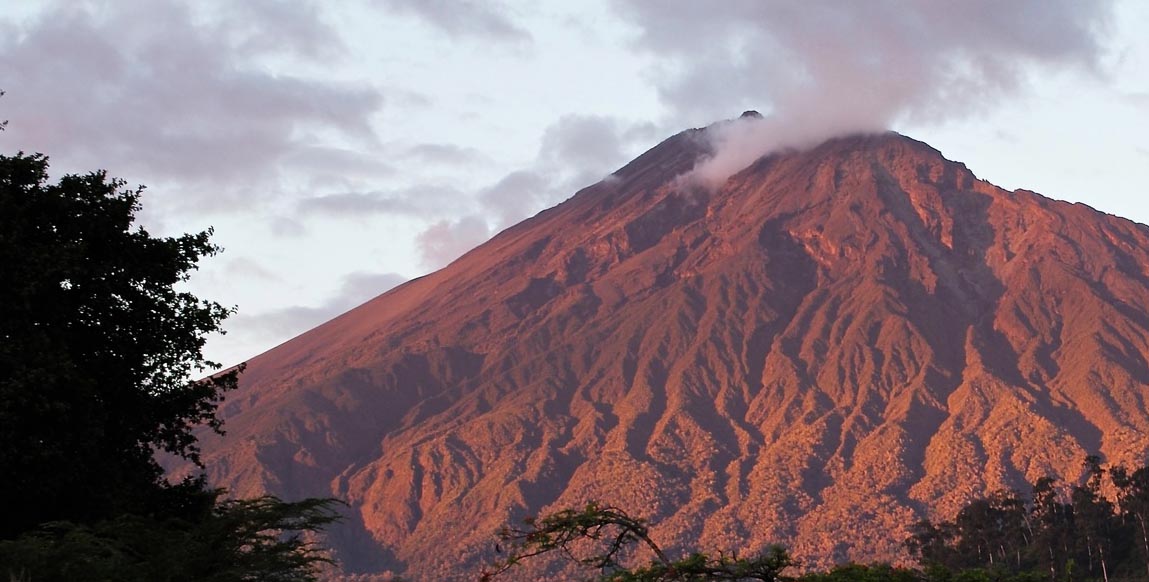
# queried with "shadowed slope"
point(813, 354)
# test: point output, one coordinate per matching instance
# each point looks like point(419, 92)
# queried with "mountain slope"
point(830, 344)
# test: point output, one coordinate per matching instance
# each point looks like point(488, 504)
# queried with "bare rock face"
point(834, 344)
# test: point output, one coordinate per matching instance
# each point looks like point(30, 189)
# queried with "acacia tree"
point(613, 535)
point(97, 345)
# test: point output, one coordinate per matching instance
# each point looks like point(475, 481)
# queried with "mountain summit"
point(833, 344)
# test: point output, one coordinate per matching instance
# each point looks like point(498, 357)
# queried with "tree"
point(1054, 528)
point(932, 544)
point(563, 532)
point(992, 531)
point(251, 539)
point(97, 345)
point(1133, 498)
point(1093, 516)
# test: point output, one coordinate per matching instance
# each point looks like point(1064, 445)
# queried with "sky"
point(339, 149)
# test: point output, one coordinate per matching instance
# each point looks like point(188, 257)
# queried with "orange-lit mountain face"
point(831, 345)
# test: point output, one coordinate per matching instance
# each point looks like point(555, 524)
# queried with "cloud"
point(574, 152)
point(1138, 100)
point(324, 163)
point(286, 227)
point(819, 68)
point(583, 141)
point(263, 26)
point(159, 91)
point(356, 288)
point(485, 20)
point(419, 201)
point(246, 267)
point(516, 196)
point(446, 240)
point(360, 286)
point(444, 154)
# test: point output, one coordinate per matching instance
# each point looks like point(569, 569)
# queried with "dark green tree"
point(863, 573)
point(262, 539)
point(1054, 528)
point(1064, 532)
point(1133, 503)
point(992, 531)
point(1094, 521)
point(96, 348)
point(932, 544)
point(97, 345)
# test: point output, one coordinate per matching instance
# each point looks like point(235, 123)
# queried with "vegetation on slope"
point(1060, 532)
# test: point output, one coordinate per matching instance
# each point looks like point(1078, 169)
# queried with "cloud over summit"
point(819, 68)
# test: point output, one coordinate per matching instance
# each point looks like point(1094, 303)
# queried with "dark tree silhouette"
point(1133, 501)
point(614, 534)
point(1082, 531)
point(1093, 519)
point(97, 345)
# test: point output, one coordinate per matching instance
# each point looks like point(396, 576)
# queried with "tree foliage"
point(97, 345)
point(1059, 532)
point(234, 540)
point(1093, 530)
point(614, 535)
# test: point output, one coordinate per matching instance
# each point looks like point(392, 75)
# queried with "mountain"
point(835, 343)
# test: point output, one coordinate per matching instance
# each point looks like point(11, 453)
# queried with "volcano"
point(833, 344)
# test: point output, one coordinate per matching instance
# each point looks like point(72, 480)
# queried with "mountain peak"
point(834, 342)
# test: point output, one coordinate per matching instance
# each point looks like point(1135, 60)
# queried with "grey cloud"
point(417, 201)
point(574, 152)
point(463, 18)
point(154, 92)
point(516, 196)
point(355, 289)
point(295, 24)
point(280, 323)
point(324, 164)
point(822, 67)
point(447, 240)
point(245, 267)
point(446, 154)
point(284, 227)
point(583, 141)
point(360, 286)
